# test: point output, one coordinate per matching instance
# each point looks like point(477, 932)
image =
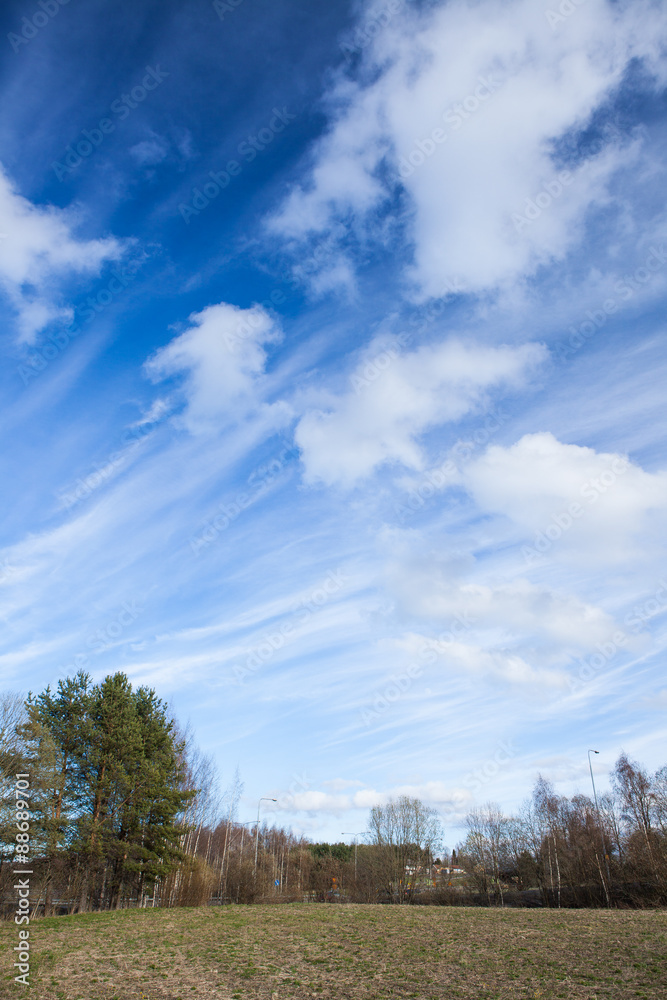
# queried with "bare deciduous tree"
point(407, 834)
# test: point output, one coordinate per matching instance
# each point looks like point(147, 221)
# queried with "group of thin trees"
point(574, 851)
point(392, 864)
point(556, 852)
point(399, 847)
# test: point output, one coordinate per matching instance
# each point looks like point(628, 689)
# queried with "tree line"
point(554, 852)
point(574, 851)
point(125, 810)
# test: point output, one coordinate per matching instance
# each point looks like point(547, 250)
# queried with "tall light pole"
point(243, 826)
point(597, 809)
point(595, 795)
point(349, 833)
point(264, 798)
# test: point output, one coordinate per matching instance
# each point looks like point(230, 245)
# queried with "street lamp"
point(593, 781)
point(597, 809)
point(248, 822)
point(264, 798)
point(349, 833)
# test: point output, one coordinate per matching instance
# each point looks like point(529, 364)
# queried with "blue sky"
point(334, 385)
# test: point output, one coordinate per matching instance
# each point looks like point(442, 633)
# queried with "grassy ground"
point(331, 951)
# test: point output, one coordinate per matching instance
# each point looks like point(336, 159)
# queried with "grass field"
point(352, 951)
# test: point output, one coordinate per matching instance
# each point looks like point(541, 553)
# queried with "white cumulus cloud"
point(462, 104)
point(222, 358)
point(38, 250)
point(542, 485)
point(393, 401)
point(518, 608)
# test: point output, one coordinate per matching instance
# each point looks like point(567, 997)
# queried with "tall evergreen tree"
point(109, 789)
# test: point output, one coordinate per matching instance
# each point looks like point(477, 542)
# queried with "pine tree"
point(107, 768)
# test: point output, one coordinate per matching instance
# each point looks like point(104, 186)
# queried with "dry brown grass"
point(337, 952)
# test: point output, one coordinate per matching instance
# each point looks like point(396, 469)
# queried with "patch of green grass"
point(345, 953)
